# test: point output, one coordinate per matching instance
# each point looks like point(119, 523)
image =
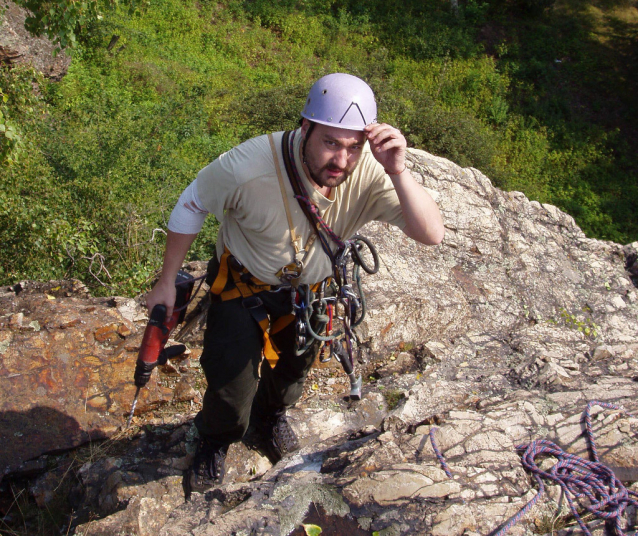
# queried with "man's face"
point(331, 153)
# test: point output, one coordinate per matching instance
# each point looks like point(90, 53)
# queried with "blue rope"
point(606, 496)
point(445, 466)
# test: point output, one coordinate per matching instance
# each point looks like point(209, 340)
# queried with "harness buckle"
point(290, 271)
point(251, 302)
point(235, 263)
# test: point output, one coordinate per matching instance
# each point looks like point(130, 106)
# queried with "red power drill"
point(158, 330)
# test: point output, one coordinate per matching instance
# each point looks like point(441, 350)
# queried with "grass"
point(552, 524)
point(22, 516)
point(541, 102)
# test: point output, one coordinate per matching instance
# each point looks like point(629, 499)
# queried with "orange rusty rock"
point(80, 379)
point(105, 332)
point(99, 402)
point(169, 368)
point(94, 376)
point(60, 387)
point(71, 324)
point(184, 392)
point(45, 379)
point(385, 330)
point(36, 342)
point(5, 339)
point(123, 330)
point(16, 320)
point(195, 353)
point(92, 361)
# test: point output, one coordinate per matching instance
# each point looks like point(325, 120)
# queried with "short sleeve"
point(218, 184)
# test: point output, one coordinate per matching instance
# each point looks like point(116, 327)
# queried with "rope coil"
point(603, 494)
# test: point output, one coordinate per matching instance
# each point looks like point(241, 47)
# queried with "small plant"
point(406, 346)
point(551, 524)
point(312, 530)
point(393, 397)
point(586, 326)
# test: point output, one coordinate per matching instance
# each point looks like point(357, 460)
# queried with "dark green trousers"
point(231, 361)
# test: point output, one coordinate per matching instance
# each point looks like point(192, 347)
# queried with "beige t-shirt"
point(242, 189)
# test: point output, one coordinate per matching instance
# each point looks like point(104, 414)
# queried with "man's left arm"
point(421, 214)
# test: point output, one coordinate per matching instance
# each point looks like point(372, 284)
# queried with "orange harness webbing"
point(257, 310)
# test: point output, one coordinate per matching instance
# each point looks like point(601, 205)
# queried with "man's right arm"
point(177, 246)
point(185, 223)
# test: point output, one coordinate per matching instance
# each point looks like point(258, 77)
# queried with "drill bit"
point(130, 417)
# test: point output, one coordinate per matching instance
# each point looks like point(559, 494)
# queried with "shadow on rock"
point(53, 492)
point(28, 434)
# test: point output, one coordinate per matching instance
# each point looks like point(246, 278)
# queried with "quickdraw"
point(342, 301)
point(316, 311)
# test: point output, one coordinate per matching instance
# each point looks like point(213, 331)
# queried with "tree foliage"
point(99, 159)
point(63, 20)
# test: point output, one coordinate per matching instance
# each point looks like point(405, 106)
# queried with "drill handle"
point(158, 330)
point(153, 342)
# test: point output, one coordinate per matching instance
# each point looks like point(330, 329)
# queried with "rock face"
point(498, 336)
point(66, 369)
point(18, 47)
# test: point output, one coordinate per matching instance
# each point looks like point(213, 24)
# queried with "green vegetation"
point(393, 397)
point(62, 20)
point(538, 94)
point(583, 324)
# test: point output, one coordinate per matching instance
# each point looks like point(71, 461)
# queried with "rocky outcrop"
point(384, 477)
point(66, 366)
point(19, 47)
point(498, 336)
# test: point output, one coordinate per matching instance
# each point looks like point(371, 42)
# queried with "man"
point(264, 231)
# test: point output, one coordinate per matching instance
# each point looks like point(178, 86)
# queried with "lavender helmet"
point(341, 100)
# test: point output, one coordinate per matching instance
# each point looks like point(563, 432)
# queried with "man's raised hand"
point(388, 147)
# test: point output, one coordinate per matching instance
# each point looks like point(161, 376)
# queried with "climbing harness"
point(606, 497)
point(232, 273)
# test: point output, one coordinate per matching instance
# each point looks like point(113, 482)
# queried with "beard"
point(320, 173)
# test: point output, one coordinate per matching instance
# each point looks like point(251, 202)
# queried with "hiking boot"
point(208, 467)
point(273, 437)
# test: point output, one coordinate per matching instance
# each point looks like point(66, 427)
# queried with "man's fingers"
point(375, 127)
point(382, 135)
point(389, 144)
point(383, 131)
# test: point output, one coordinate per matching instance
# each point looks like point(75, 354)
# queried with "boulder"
point(66, 369)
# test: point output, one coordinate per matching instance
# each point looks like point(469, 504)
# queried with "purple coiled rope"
point(578, 478)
